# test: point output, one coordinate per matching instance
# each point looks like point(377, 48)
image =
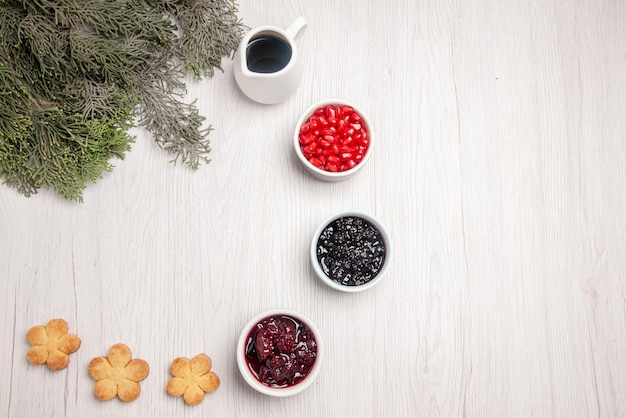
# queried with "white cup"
point(267, 65)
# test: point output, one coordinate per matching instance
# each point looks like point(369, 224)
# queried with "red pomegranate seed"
point(342, 126)
point(306, 139)
point(310, 148)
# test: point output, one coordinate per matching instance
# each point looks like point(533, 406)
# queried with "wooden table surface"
point(499, 171)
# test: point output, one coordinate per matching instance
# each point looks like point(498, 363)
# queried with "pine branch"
point(77, 75)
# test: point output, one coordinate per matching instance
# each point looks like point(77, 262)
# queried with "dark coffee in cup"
point(267, 54)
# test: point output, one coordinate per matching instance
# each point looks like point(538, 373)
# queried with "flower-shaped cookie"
point(192, 378)
point(118, 374)
point(51, 344)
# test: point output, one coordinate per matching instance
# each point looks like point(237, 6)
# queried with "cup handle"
point(296, 27)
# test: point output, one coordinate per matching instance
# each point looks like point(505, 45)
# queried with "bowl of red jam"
point(333, 139)
point(350, 251)
point(279, 352)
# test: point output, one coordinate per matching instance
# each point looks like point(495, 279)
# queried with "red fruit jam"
point(334, 138)
point(280, 351)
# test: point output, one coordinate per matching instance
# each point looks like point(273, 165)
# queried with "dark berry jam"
point(280, 351)
point(351, 251)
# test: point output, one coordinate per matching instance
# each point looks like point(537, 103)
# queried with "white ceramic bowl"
point(250, 378)
point(336, 285)
point(328, 175)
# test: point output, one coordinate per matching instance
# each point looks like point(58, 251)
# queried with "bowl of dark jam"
point(350, 251)
point(279, 352)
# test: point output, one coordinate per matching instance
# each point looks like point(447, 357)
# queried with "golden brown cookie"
point(118, 374)
point(192, 378)
point(51, 344)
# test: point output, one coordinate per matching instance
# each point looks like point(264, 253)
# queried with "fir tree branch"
point(77, 75)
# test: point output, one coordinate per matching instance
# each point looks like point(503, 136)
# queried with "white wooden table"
point(500, 173)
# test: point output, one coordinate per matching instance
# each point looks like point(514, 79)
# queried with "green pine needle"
point(75, 76)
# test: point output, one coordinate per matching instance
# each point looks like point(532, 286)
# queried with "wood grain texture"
point(500, 172)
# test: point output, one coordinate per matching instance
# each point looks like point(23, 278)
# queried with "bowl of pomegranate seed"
point(279, 352)
point(333, 139)
point(350, 251)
